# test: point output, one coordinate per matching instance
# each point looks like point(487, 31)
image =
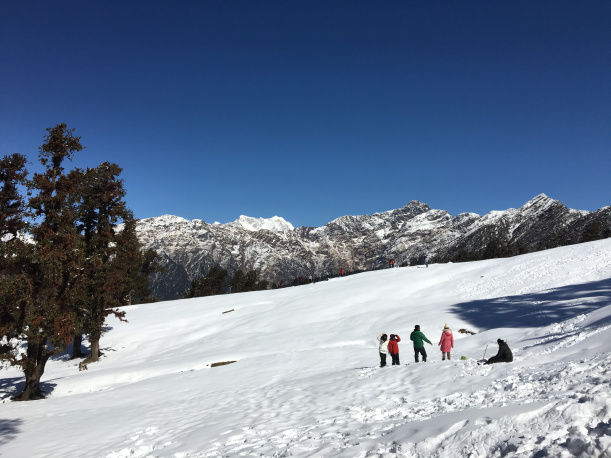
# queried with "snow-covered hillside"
point(307, 382)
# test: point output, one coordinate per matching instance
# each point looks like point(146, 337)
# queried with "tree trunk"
point(34, 367)
point(95, 350)
point(76, 346)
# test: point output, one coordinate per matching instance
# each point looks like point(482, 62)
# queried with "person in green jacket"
point(418, 337)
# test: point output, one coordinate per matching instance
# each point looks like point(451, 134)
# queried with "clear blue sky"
point(313, 110)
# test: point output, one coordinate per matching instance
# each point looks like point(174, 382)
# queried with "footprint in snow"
point(367, 371)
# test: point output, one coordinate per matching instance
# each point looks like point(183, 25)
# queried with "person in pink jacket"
point(446, 342)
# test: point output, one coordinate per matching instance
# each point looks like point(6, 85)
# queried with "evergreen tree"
point(116, 268)
point(133, 266)
point(12, 215)
point(238, 282)
point(14, 283)
point(213, 283)
point(217, 281)
point(246, 281)
point(594, 230)
point(64, 265)
point(54, 265)
point(108, 258)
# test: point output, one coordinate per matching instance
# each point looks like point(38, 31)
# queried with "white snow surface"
point(307, 382)
point(274, 224)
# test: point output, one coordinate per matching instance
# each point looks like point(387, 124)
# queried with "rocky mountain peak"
point(274, 224)
point(540, 202)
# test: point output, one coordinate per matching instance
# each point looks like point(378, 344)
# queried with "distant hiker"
point(391, 263)
point(446, 342)
point(503, 356)
point(383, 347)
point(418, 337)
point(393, 348)
point(341, 272)
point(426, 261)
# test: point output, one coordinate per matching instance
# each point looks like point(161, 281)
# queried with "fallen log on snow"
point(221, 363)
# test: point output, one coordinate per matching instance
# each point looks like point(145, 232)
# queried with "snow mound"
point(307, 382)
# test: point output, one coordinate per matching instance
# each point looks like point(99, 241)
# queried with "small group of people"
point(390, 345)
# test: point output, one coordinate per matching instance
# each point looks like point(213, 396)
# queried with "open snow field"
point(307, 381)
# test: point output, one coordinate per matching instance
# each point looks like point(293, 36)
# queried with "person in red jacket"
point(393, 348)
point(446, 342)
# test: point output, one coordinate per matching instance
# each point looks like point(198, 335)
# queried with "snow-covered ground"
point(307, 382)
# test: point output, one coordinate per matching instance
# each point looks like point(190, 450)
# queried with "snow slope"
point(306, 381)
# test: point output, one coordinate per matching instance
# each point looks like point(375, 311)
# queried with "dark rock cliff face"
point(188, 249)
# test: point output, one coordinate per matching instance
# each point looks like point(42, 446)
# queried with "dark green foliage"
point(133, 266)
point(101, 208)
point(213, 283)
point(242, 282)
point(12, 175)
point(496, 248)
point(595, 230)
point(217, 281)
point(15, 288)
point(417, 260)
point(64, 266)
point(116, 270)
point(52, 266)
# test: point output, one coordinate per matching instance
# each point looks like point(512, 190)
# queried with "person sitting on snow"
point(383, 339)
point(503, 356)
point(393, 348)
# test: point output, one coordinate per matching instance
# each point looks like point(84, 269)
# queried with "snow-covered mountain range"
point(281, 253)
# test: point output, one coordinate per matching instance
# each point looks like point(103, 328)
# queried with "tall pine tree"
point(133, 266)
point(101, 209)
point(14, 283)
point(116, 269)
point(54, 269)
point(64, 262)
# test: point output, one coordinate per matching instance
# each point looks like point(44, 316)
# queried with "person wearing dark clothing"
point(418, 337)
point(393, 349)
point(420, 351)
point(503, 356)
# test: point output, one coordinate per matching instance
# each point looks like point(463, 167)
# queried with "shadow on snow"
point(65, 354)
point(536, 309)
point(9, 429)
point(12, 386)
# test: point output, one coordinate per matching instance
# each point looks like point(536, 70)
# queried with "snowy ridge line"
point(282, 253)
